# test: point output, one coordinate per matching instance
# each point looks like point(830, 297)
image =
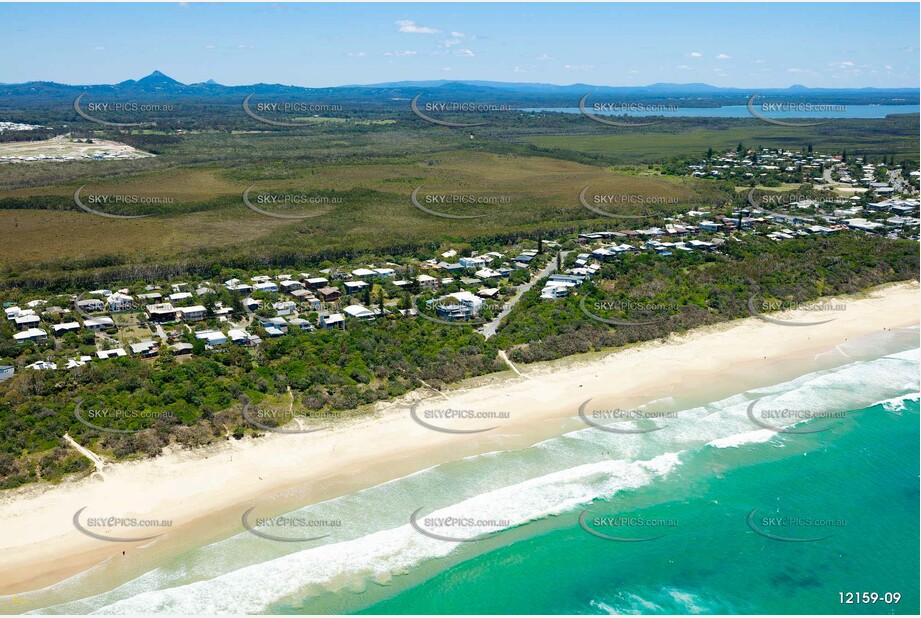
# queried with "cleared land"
point(60, 147)
point(374, 203)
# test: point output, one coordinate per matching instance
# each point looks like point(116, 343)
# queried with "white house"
point(42, 365)
point(333, 320)
point(145, 349)
point(27, 321)
point(106, 354)
point(364, 273)
point(239, 336)
point(193, 313)
point(33, 334)
point(65, 327)
point(120, 302)
point(472, 262)
point(358, 311)
point(265, 286)
point(427, 281)
point(285, 307)
point(212, 337)
point(458, 306)
point(100, 323)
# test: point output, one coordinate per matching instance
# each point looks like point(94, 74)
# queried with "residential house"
point(290, 285)
point(27, 321)
point(315, 283)
point(193, 313)
point(42, 366)
point(353, 287)
point(364, 273)
point(329, 294)
point(107, 354)
point(458, 306)
point(239, 336)
point(98, 324)
point(33, 334)
point(161, 312)
point(91, 304)
point(211, 337)
point(120, 302)
point(266, 286)
point(333, 320)
point(144, 349)
point(65, 327)
point(359, 312)
point(6, 372)
point(285, 307)
point(427, 282)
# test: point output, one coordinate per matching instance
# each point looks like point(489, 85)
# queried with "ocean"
point(742, 111)
point(710, 512)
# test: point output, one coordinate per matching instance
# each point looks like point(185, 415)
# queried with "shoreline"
point(205, 491)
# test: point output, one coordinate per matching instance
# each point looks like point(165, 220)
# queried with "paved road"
point(489, 329)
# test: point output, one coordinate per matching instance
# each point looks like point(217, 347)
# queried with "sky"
point(737, 45)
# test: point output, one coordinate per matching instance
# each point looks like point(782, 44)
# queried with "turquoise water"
point(712, 562)
point(702, 473)
point(741, 111)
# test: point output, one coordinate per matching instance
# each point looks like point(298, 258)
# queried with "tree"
point(809, 149)
point(844, 157)
point(559, 260)
point(709, 153)
point(366, 297)
point(380, 299)
point(540, 245)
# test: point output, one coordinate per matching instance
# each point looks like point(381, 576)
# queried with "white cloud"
point(633, 72)
point(888, 67)
point(695, 55)
point(683, 67)
point(578, 67)
point(446, 69)
point(521, 69)
point(723, 56)
point(245, 47)
point(401, 54)
point(464, 53)
point(411, 27)
point(355, 54)
point(99, 48)
point(844, 64)
point(758, 61)
point(210, 46)
point(796, 70)
point(456, 39)
point(543, 57)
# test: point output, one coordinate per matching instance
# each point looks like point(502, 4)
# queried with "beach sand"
point(203, 493)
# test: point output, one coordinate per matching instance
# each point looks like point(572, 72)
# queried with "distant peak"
point(158, 77)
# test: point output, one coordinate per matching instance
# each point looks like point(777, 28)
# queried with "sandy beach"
point(204, 492)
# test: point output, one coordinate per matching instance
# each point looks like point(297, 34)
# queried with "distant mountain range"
point(160, 86)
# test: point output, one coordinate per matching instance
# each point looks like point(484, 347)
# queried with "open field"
point(654, 143)
point(375, 205)
point(62, 146)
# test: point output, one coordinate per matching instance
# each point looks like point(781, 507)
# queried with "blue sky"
point(740, 45)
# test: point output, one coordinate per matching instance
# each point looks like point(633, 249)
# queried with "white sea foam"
point(244, 574)
point(255, 588)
